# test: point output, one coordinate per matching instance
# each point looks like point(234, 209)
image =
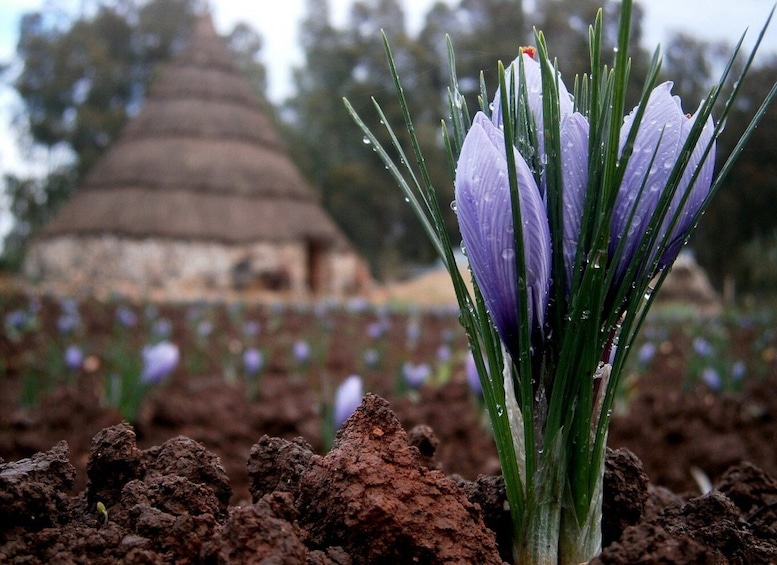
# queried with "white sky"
point(278, 23)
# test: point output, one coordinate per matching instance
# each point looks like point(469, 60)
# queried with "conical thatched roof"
point(201, 161)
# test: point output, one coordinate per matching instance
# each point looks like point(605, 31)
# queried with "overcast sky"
point(278, 24)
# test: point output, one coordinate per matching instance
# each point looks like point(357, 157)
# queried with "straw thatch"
point(201, 161)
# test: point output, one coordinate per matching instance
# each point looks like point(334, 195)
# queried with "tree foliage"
point(83, 77)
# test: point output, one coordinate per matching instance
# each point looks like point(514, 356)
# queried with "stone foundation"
point(147, 265)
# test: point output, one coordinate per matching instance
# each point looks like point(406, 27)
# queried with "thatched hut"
point(197, 193)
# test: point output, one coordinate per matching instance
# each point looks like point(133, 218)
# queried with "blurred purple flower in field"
point(471, 374)
point(702, 347)
point(253, 361)
point(162, 328)
point(74, 357)
point(158, 361)
point(444, 353)
point(712, 379)
point(69, 319)
point(204, 328)
point(371, 358)
point(301, 351)
point(646, 353)
point(413, 332)
point(738, 370)
point(415, 375)
point(357, 305)
point(376, 330)
point(16, 320)
point(251, 328)
point(348, 397)
point(126, 317)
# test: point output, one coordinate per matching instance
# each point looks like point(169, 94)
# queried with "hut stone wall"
point(146, 265)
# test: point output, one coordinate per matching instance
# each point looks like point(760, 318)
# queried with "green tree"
point(354, 187)
point(744, 212)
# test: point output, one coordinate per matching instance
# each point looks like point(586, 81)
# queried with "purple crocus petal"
point(158, 361)
point(252, 361)
point(660, 138)
point(472, 376)
point(74, 357)
point(416, 375)
point(301, 351)
point(486, 223)
point(699, 191)
point(347, 399)
point(574, 170)
point(533, 77)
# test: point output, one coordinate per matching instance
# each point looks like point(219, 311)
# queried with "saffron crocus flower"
point(126, 317)
point(485, 216)
point(301, 351)
point(159, 361)
point(712, 379)
point(647, 352)
point(472, 376)
point(74, 357)
point(573, 134)
point(533, 77)
point(662, 132)
point(253, 360)
point(347, 399)
point(702, 347)
point(415, 375)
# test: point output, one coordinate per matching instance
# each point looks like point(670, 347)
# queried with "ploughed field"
point(224, 465)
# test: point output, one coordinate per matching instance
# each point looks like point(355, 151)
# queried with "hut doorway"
point(316, 265)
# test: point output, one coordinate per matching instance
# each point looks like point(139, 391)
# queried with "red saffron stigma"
point(530, 51)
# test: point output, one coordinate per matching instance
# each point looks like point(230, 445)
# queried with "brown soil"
point(207, 475)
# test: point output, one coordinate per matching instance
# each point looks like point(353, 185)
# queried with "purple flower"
point(16, 320)
point(68, 322)
point(660, 138)
point(347, 399)
point(444, 353)
point(533, 77)
point(738, 370)
point(158, 361)
point(162, 328)
point(415, 375)
point(646, 353)
point(74, 357)
point(485, 219)
point(371, 358)
point(702, 347)
point(471, 374)
point(251, 328)
point(712, 378)
point(413, 332)
point(301, 351)
point(253, 360)
point(573, 134)
point(126, 317)
point(376, 330)
point(204, 328)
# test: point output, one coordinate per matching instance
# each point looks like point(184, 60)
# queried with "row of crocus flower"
point(721, 352)
point(147, 342)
